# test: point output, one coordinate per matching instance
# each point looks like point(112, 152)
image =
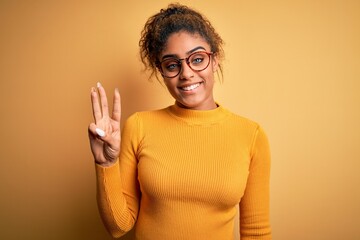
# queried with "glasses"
point(197, 61)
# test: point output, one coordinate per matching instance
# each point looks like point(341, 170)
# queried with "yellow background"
point(293, 66)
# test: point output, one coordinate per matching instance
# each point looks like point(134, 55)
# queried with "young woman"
point(181, 171)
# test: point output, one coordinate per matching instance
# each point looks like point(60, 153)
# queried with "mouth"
point(190, 87)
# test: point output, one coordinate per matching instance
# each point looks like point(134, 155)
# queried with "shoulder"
point(138, 123)
point(147, 117)
point(255, 135)
point(246, 127)
point(242, 121)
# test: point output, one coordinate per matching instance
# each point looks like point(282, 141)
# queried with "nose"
point(185, 72)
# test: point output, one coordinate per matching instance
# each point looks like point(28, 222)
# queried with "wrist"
point(106, 163)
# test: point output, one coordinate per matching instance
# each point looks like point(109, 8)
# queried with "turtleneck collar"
point(199, 117)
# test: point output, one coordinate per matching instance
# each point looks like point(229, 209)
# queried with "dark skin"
point(105, 149)
point(105, 133)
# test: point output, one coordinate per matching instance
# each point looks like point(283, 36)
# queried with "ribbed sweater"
point(181, 173)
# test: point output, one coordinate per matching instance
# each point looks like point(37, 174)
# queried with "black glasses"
point(197, 61)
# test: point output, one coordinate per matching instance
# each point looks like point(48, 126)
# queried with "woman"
point(181, 171)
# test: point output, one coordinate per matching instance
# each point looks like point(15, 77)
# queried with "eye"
point(170, 65)
point(197, 59)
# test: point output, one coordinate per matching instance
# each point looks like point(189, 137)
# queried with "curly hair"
point(173, 19)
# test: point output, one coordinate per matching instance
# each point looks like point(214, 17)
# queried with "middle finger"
point(103, 100)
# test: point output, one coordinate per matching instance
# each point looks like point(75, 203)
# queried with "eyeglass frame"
point(178, 60)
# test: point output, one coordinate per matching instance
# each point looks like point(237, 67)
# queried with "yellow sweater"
point(181, 174)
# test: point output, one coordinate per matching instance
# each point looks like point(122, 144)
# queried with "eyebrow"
point(188, 53)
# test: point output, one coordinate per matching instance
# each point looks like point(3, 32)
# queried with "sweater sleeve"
point(118, 193)
point(254, 206)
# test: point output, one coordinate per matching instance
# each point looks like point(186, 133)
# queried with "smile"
point(191, 87)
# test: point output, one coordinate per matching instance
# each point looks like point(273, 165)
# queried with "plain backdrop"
point(292, 66)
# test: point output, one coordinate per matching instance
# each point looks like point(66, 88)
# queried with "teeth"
point(191, 87)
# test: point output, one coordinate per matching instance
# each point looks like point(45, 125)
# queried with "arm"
point(254, 206)
point(118, 191)
point(118, 205)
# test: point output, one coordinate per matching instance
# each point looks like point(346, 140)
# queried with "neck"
point(210, 106)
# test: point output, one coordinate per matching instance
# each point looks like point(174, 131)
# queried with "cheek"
point(170, 86)
point(208, 75)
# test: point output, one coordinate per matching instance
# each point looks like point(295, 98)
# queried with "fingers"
point(100, 105)
point(95, 105)
point(116, 115)
point(99, 101)
point(96, 132)
point(96, 143)
point(103, 100)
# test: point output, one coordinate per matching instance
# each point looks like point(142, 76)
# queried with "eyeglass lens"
point(197, 61)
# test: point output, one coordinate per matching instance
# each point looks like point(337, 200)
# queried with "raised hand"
point(104, 133)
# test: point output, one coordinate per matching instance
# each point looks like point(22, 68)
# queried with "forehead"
point(181, 43)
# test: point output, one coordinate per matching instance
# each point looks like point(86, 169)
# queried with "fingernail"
point(98, 84)
point(93, 89)
point(100, 132)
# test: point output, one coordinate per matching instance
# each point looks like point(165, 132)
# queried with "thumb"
point(94, 131)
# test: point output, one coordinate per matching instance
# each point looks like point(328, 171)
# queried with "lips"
point(190, 87)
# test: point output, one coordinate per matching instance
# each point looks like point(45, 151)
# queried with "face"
point(191, 89)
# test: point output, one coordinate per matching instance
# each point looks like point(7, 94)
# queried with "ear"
point(215, 63)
